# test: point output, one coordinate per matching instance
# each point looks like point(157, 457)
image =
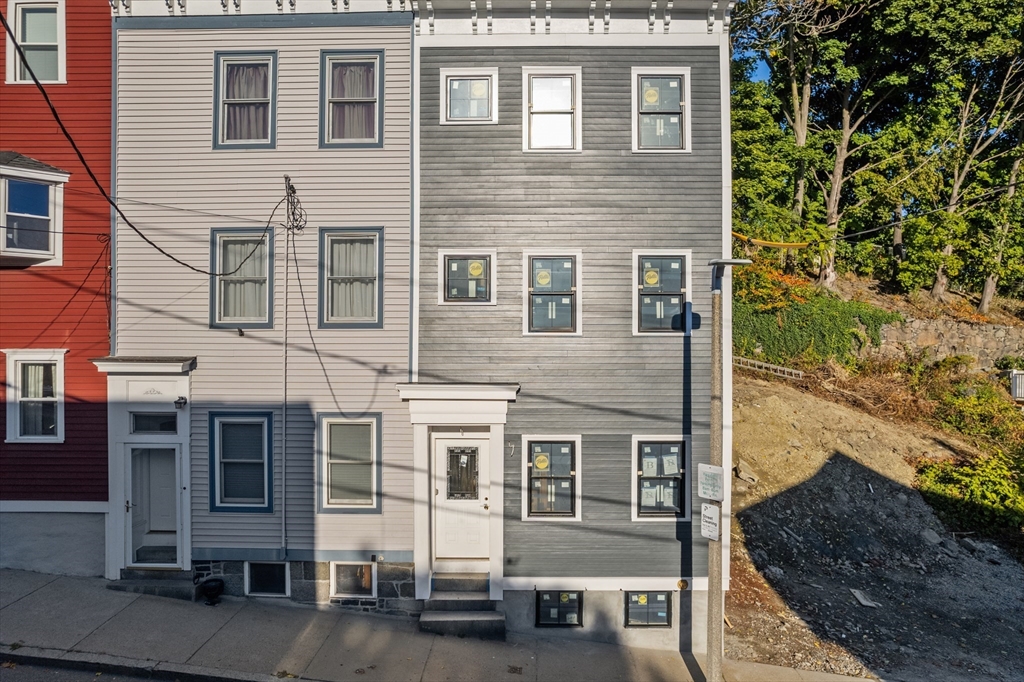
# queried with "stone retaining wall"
point(943, 338)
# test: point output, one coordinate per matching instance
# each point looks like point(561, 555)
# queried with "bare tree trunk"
point(827, 272)
point(988, 291)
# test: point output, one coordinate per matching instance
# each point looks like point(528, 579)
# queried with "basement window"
point(649, 609)
point(267, 579)
point(559, 609)
point(353, 579)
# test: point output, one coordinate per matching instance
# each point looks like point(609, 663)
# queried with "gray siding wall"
point(164, 156)
point(479, 189)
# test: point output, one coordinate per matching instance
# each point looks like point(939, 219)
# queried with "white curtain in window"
point(353, 281)
point(244, 293)
point(353, 120)
point(38, 409)
point(247, 120)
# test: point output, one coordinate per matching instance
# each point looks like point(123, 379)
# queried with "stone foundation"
point(943, 338)
point(311, 584)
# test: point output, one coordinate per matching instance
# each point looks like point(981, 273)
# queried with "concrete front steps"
point(460, 604)
point(157, 582)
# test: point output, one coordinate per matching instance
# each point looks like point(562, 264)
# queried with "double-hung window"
point(39, 27)
point(661, 118)
point(31, 211)
point(552, 297)
point(351, 286)
point(246, 93)
point(660, 481)
point(241, 289)
point(351, 99)
point(552, 114)
point(241, 462)
point(349, 464)
point(551, 475)
point(35, 395)
point(469, 96)
point(661, 280)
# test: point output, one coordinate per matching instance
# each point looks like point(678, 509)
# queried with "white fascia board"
point(504, 392)
point(113, 367)
point(605, 584)
point(31, 174)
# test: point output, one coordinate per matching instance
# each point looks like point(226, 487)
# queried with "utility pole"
point(716, 604)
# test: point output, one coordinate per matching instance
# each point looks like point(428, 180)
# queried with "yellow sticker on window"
point(476, 268)
point(642, 599)
point(541, 462)
point(651, 95)
point(651, 277)
point(479, 89)
point(564, 597)
point(543, 277)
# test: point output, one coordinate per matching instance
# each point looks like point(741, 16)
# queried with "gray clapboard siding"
point(165, 156)
point(479, 189)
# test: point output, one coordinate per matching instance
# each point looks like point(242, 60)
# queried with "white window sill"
point(34, 440)
point(553, 519)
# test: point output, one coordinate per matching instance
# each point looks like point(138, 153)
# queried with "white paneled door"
point(461, 505)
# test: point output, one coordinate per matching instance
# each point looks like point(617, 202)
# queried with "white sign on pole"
point(710, 520)
point(710, 482)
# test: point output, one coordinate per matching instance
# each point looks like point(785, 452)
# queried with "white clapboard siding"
point(165, 156)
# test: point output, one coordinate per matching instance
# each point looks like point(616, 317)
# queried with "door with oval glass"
point(461, 506)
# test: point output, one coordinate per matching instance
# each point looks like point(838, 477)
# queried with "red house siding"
point(65, 306)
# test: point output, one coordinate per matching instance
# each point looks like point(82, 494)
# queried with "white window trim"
point(577, 120)
point(492, 280)
point(577, 440)
point(373, 579)
point(287, 581)
point(236, 236)
point(552, 253)
point(687, 256)
point(687, 442)
point(56, 182)
point(680, 71)
point(324, 462)
point(228, 419)
point(14, 358)
point(14, 18)
point(351, 59)
point(468, 73)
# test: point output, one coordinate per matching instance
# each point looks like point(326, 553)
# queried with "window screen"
point(243, 474)
point(350, 453)
point(649, 609)
point(559, 609)
point(353, 579)
point(268, 578)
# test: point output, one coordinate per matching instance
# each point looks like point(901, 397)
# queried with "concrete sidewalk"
point(78, 622)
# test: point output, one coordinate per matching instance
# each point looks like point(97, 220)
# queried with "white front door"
point(153, 506)
point(461, 505)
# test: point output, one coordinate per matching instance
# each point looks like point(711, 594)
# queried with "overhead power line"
point(96, 181)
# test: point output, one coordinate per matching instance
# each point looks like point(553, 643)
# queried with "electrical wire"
point(88, 169)
point(171, 207)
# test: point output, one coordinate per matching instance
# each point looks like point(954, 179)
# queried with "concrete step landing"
point(458, 601)
point(156, 582)
point(482, 624)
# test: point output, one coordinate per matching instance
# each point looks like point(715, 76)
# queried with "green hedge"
point(809, 333)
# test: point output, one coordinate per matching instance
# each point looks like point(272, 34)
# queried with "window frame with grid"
point(449, 75)
point(218, 236)
point(575, 110)
point(444, 258)
point(325, 320)
point(645, 597)
point(327, 59)
point(324, 504)
point(218, 502)
point(575, 477)
point(221, 102)
point(639, 286)
point(574, 293)
point(17, 360)
point(637, 73)
point(54, 183)
point(16, 74)
point(683, 477)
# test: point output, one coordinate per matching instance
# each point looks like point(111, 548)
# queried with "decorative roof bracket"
point(547, 16)
point(650, 16)
point(593, 8)
point(727, 19)
point(607, 15)
point(490, 18)
point(668, 15)
point(533, 16)
point(711, 16)
point(472, 14)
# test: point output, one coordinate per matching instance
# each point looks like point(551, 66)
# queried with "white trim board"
point(52, 507)
point(604, 584)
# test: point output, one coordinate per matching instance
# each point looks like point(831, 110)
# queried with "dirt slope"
point(834, 510)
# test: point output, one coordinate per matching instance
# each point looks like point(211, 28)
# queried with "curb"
point(157, 670)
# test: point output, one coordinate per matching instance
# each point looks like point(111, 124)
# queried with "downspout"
point(284, 400)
